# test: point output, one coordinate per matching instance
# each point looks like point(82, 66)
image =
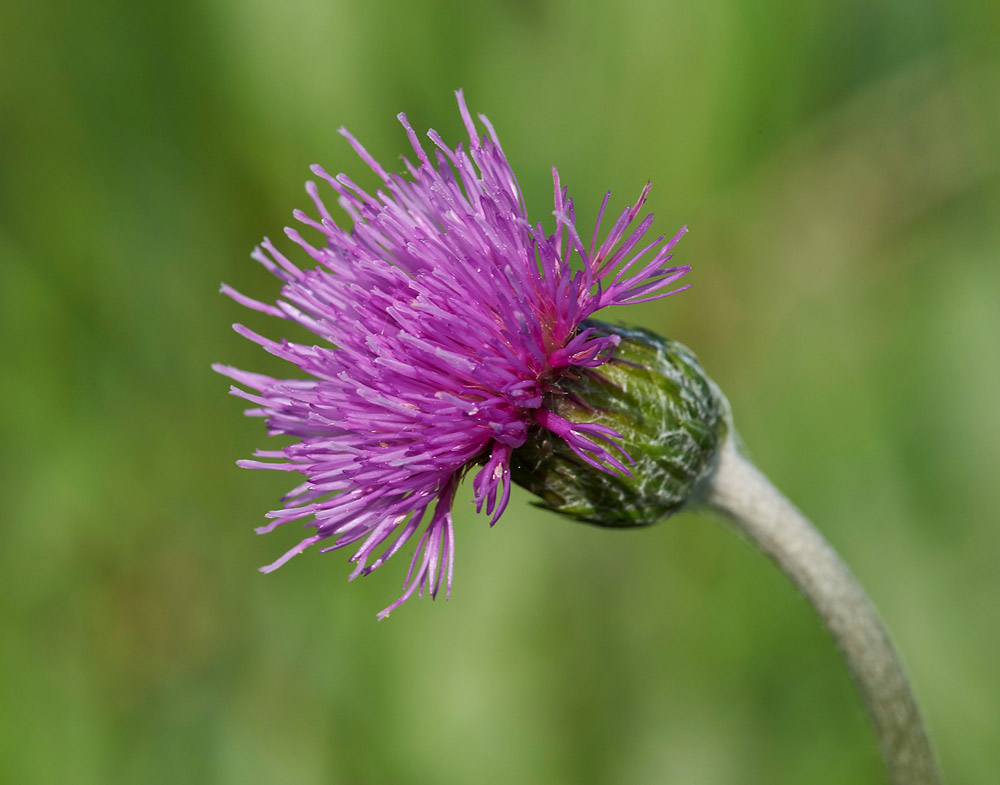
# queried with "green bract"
point(672, 419)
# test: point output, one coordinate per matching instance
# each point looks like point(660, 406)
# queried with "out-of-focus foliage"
point(838, 166)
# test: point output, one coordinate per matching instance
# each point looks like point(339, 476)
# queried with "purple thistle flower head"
point(446, 321)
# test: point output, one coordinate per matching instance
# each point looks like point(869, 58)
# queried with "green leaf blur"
point(839, 169)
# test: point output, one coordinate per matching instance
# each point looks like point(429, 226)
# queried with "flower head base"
point(447, 321)
point(671, 418)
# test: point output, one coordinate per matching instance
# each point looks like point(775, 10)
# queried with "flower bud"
point(672, 420)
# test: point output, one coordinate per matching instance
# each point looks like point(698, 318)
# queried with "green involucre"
point(672, 418)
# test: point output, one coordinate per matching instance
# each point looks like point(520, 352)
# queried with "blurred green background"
point(839, 167)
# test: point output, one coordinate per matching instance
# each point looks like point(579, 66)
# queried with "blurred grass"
point(838, 166)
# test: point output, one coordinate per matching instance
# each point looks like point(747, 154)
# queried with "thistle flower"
point(450, 332)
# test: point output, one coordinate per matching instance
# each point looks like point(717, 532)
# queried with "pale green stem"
point(759, 510)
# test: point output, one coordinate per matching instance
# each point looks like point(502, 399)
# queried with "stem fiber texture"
point(749, 500)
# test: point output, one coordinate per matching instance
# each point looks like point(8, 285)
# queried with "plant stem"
point(760, 511)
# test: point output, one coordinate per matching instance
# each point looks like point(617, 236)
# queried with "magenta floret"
point(445, 317)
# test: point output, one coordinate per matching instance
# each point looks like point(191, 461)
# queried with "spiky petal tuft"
point(445, 319)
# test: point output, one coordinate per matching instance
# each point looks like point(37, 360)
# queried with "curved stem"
point(759, 510)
